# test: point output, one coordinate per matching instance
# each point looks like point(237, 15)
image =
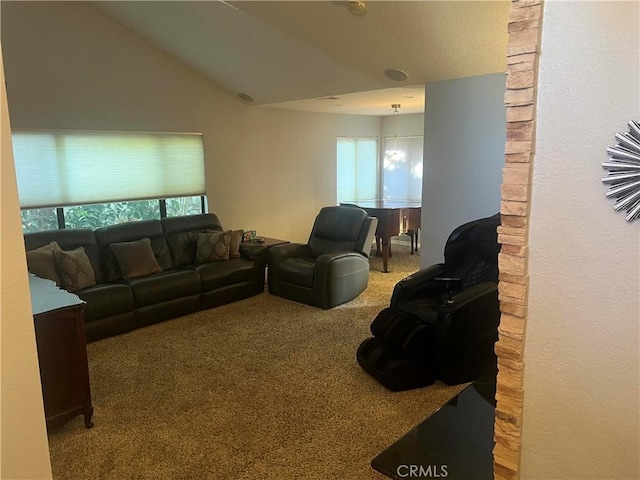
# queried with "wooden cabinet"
point(62, 353)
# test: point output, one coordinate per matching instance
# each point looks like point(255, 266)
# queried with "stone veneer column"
point(520, 99)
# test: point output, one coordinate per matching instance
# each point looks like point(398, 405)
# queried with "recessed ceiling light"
point(396, 75)
point(246, 97)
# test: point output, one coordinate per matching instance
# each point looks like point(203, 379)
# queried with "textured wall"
point(24, 447)
point(581, 356)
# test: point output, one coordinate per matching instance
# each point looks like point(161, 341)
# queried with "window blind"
point(357, 169)
point(56, 168)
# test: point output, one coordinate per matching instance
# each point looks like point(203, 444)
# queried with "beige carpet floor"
point(264, 388)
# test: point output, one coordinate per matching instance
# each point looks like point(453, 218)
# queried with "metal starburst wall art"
point(623, 171)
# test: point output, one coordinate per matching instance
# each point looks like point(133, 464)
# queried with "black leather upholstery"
point(429, 333)
point(70, 239)
point(333, 267)
point(115, 305)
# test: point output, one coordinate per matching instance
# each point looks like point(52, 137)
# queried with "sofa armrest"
point(280, 253)
point(289, 250)
point(253, 251)
point(337, 264)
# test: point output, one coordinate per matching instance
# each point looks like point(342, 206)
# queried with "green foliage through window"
point(102, 215)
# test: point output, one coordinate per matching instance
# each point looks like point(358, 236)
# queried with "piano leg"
point(379, 249)
point(385, 254)
point(413, 235)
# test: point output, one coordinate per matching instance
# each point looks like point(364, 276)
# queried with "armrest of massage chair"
point(467, 306)
point(463, 331)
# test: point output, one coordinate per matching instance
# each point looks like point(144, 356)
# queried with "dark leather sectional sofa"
point(116, 305)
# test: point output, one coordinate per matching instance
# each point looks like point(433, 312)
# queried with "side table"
point(62, 352)
point(269, 242)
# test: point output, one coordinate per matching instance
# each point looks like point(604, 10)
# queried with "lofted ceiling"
point(317, 55)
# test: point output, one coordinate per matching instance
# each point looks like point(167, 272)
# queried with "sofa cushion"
point(298, 271)
point(181, 232)
point(183, 247)
point(221, 274)
point(164, 286)
point(136, 258)
point(127, 232)
point(68, 239)
point(74, 268)
point(40, 262)
point(213, 246)
point(106, 300)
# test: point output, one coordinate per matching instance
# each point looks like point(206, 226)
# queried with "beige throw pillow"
point(135, 259)
point(74, 268)
point(234, 248)
point(41, 263)
point(213, 246)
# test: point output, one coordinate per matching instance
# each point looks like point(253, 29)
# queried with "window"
point(102, 215)
point(81, 179)
point(57, 168)
point(402, 168)
point(361, 178)
point(357, 168)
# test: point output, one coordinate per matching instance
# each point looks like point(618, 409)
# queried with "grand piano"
point(395, 217)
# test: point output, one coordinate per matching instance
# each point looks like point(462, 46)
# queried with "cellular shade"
point(55, 168)
point(357, 169)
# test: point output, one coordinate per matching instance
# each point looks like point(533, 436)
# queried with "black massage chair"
point(443, 320)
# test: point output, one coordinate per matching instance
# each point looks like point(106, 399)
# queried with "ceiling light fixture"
point(395, 156)
point(396, 75)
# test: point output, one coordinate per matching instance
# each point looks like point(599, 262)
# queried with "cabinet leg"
point(88, 423)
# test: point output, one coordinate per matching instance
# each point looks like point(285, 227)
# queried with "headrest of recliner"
point(339, 223)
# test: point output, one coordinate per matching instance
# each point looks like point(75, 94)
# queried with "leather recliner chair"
point(442, 322)
point(333, 267)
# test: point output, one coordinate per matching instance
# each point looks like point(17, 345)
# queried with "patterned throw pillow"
point(41, 263)
point(75, 269)
point(213, 247)
point(135, 259)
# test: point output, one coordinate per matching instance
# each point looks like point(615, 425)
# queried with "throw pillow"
point(135, 259)
point(40, 262)
point(75, 269)
point(234, 248)
point(213, 247)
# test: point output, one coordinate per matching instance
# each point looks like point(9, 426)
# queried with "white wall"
point(581, 354)
point(409, 125)
point(464, 137)
point(70, 66)
point(24, 450)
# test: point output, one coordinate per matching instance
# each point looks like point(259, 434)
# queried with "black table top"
point(455, 442)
